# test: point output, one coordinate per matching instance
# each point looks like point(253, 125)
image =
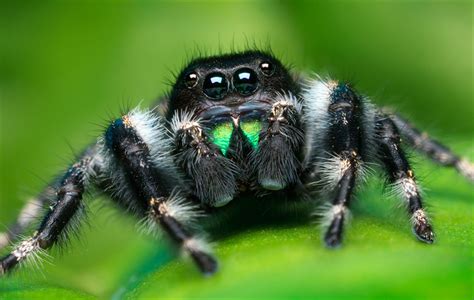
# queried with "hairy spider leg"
point(275, 160)
point(134, 156)
point(432, 148)
point(29, 212)
point(344, 139)
point(33, 208)
point(60, 217)
point(402, 177)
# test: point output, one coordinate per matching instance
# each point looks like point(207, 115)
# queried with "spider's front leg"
point(275, 161)
point(125, 138)
point(343, 140)
point(402, 176)
point(61, 214)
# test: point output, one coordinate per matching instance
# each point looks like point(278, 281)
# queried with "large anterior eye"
point(215, 85)
point(245, 81)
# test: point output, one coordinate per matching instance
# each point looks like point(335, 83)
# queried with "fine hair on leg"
point(436, 151)
point(60, 218)
point(125, 140)
point(402, 177)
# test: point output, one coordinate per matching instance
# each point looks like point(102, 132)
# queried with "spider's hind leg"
point(432, 148)
point(402, 177)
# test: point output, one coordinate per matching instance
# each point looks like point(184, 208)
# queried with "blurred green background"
point(66, 67)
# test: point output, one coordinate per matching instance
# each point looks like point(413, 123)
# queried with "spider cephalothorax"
point(233, 123)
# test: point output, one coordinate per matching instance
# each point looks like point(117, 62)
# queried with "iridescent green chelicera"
point(222, 133)
point(251, 130)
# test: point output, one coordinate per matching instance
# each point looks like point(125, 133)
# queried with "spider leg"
point(58, 218)
point(275, 161)
point(402, 176)
point(161, 213)
point(30, 212)
point(125, 139)
point(432, 148)
point(344, 140)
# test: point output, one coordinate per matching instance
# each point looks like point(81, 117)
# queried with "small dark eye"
point(191, 80)
point(245, 81)
point(267, 68)
point(215, 85)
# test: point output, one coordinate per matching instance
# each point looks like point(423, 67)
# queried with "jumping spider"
point(233, 124)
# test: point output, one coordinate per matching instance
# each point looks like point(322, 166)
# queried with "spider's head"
point(230, 85)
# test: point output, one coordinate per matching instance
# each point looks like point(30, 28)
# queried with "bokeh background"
point(67, 67)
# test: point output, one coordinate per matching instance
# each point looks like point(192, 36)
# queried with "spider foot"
point(422, 228)
point(332, 241)
point(207, 263)
point(466, 168)
point(333, 236)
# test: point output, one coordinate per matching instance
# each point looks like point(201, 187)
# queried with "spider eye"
point(245, 81)
point(215, 85)
point(267, 68)
point(191, 80)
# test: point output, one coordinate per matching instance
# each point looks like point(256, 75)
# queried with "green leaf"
point(43, 291)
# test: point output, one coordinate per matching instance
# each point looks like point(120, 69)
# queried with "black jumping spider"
point(234, 123)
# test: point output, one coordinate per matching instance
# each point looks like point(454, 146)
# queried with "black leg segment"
point(134, 155)
point(344, 141)
point(180, 235)
point(57, 220)
point(402, 177)
point(432, 148)
point(338, 212)
point(30, 212)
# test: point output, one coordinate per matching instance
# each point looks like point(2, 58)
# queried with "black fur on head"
point(192, 91)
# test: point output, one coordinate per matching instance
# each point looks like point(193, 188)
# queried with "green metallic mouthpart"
point(251, 130)
point(221, 135)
